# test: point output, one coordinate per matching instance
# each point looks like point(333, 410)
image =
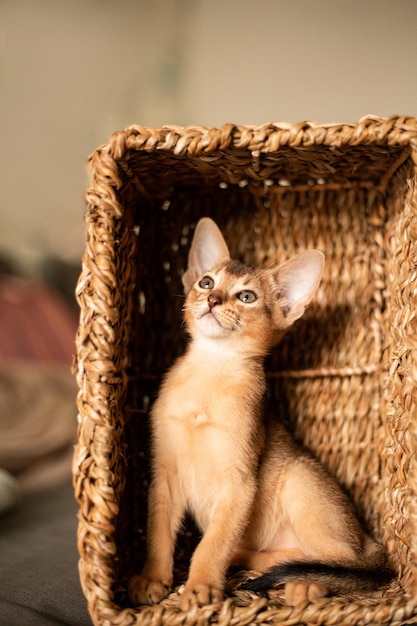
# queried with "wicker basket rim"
point(395, 130)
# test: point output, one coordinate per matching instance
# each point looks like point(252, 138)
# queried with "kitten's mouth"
point(209, 315)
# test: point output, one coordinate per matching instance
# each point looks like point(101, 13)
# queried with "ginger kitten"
point(260, 501)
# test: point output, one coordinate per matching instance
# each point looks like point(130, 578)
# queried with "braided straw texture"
point(345, 377)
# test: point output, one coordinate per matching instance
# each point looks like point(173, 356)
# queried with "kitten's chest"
point(201, 393)
point(204, 411)
point(193, 439)
point(192, 418)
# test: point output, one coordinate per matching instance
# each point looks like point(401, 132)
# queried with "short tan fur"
point(259, 500)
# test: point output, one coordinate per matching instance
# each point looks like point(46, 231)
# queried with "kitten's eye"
point(247, 296)
point(206, 283)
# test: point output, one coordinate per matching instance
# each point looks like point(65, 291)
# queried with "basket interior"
point(325, 376)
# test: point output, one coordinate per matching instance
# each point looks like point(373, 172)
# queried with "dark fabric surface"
point(39, 582)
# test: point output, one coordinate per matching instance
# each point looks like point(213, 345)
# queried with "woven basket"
point(345, 377)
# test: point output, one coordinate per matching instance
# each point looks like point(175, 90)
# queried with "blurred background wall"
point(73, 71)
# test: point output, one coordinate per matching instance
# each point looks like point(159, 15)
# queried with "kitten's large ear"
point(208, 248)
point(295, 283)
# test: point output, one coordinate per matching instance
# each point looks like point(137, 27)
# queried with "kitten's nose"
point(214, 299)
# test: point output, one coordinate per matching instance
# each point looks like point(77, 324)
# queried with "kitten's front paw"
point(199, 595)
point(300, 591)
point(144, 591)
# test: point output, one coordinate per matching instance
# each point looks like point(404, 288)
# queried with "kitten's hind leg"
point(296, 591)
point(263, 560)
point(300, 591)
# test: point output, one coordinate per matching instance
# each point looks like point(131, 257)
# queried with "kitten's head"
point(240, 304)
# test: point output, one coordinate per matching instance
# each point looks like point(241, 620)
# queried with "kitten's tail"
point(336, 578)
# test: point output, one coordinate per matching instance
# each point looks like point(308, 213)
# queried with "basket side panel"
point(400, 385)
point(104, 294)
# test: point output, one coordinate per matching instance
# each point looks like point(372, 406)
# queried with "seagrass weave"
point(344, 378)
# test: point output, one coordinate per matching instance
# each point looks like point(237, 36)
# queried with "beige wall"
point(73, 71)
point(323, 60)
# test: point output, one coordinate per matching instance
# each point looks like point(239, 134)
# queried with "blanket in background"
point(37, 390)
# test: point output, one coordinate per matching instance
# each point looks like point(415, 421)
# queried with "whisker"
point(241, 323)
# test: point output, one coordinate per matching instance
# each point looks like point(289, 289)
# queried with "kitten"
point(258, 499)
